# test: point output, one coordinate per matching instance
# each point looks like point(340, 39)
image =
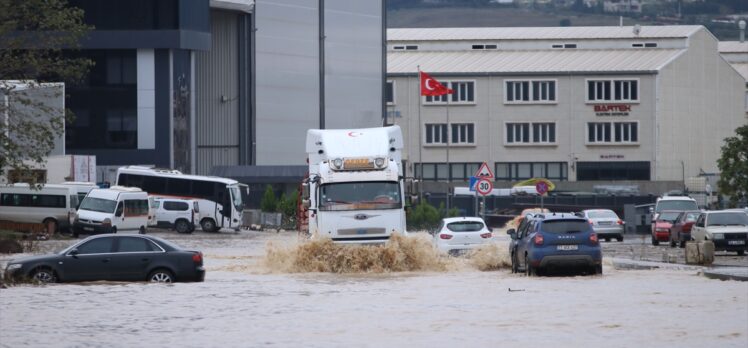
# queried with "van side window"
point(176, 206)
point(118, 211)
point(136, 207)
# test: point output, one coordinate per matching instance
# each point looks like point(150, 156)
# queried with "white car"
point(727, 229)
point(605, 223)
point(179, 214)
point(459, 234)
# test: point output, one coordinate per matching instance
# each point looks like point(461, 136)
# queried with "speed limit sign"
point(484, 187)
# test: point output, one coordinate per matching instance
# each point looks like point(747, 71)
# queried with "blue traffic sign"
point(473, 180)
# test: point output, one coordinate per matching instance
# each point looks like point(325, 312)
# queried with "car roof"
point(558, 216)
point(675, 198)
point(463, 218)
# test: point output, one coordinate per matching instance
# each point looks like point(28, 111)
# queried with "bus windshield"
point(98, 204)
point(236, 198)
point(360, 195)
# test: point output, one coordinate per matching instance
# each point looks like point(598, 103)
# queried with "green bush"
point(423, 217)
point(269, 204)
point(288, 204)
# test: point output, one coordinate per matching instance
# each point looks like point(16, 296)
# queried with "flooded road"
point(252, 299)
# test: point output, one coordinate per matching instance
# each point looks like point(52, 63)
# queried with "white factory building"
point(598, 104)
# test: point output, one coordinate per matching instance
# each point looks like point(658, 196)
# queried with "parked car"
point(680, 232)
point(727, 229)
point(605, 223)
point(458, 234)
point(179, 214)
point(112, 257)
point(661, 226)
point(556, 240)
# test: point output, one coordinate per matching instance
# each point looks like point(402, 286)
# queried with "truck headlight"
point(718, 236)
point(379, 162)
point(337, 163)
point(14, 266)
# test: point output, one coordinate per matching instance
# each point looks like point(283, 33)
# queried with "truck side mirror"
point(512, 233)
point(306, 203)
point(305, 191)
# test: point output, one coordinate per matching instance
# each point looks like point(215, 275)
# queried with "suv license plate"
point(88, 228)
point(736, 242)
point(567, 247)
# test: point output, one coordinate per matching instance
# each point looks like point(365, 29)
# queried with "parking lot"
point(248, 300)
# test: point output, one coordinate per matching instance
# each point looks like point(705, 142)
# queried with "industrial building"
point(196, 84)
point(635, 104)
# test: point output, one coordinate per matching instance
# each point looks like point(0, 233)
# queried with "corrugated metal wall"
point(217, 95)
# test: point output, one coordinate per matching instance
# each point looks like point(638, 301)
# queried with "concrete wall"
point(700, 104)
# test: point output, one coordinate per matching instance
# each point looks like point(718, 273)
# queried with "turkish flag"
point(432, 87)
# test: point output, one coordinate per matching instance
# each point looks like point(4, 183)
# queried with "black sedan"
point(112, 257)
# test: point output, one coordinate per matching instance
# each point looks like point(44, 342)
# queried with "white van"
point(51, 205)
point(81, 187)
point(112, 210)
point(179, 214)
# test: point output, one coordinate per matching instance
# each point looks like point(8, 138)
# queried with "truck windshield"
point(360, 196)
point(676, 205)
point(98, 204)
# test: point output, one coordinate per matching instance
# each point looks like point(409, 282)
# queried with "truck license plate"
point(736, 242)
point(567, 247)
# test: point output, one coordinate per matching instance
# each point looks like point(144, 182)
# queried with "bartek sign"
point(612, 109)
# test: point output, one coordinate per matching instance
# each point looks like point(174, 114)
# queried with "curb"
point(727, 274)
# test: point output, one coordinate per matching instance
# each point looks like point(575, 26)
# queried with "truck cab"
point(355, 192)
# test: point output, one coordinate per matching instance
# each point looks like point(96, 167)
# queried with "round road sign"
point(484, 187)
point(541, 187)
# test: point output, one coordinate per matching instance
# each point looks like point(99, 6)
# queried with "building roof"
point(531, 61)
point(742, 68)
point(540, 33)
point(733, 47)
point(262, 174)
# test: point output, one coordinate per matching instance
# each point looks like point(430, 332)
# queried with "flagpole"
point(420, 140)
point(449, 139)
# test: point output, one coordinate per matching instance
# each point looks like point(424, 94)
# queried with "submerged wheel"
point(619, 238)
point(655, 241)
point(515, 266)
point(208, 225)
point(599, 269)
point(141, 230)
point(530, 271)
point(161, 275)
point(50, 226)
point(741, 252)
point(43, 275)
point(182, 226)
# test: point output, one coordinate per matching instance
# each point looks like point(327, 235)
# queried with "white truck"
point(354, 193)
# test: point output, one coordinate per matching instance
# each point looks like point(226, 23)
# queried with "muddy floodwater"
point(270, 289)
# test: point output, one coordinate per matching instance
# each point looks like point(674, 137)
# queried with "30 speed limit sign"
point(484, 187)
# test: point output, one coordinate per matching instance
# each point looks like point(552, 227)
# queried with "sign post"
point(541, 187)
point(484, 185)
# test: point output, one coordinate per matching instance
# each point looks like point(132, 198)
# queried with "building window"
point(612, 132)
point(484, 47)
point(612, 90)
point(525, 170)
point(436, 133)
point(389, 92)
point(613, 171)
point(564, 46)
point(463, 133)
point(438, 171)
point(464, 93)
point(404, 47)
point(531, 133)
point(517, 92)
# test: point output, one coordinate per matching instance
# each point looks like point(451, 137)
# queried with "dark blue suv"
point(555, 240)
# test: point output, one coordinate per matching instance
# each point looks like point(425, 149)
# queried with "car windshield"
point(360, 195)
point(602, 214)
point(676, 205)
point(727, 219)
point(669, 216)
point(98, 204)
point(465, 226)
point(691, 217)
point(565, 226)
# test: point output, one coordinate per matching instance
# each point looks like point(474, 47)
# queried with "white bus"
point(51, 205)
point(220, 200)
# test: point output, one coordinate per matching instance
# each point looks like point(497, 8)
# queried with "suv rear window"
point(465, 226)
point(565, 226)
point(176, 205)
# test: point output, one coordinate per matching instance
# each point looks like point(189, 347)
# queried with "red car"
point(661, 226)
point(680, 232)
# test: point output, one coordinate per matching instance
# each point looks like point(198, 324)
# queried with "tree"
point(733, 166)
point(269, 204)
point(33, 34)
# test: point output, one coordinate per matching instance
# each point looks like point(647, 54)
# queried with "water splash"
point(490, 257)
point(400, 254)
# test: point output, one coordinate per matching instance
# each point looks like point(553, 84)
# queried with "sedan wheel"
point(44, 275)
point(655, 241)
point(161, 276)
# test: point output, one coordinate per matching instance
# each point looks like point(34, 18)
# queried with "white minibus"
point(51, 205)
point(112, 210)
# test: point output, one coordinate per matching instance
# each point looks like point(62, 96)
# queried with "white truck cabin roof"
point(328, 144)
